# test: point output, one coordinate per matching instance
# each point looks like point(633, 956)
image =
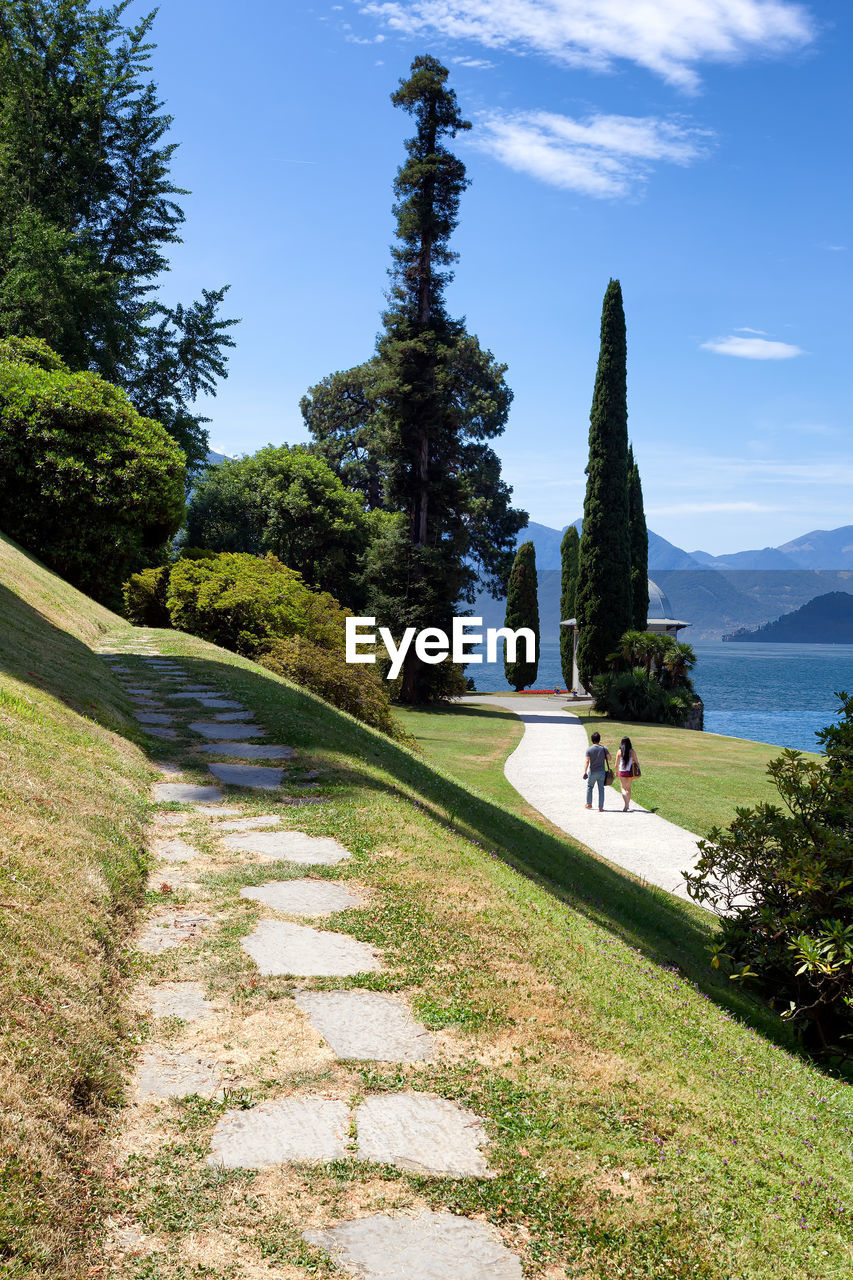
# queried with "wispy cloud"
point(481, 64)
point(752, 348)
point(744, 328)
point(603, 156)
point(668, 37)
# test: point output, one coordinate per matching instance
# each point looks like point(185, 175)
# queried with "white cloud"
point(603, 156)
point(481, 64)
point(744, 328)
point(752, 348)
point(666, 36)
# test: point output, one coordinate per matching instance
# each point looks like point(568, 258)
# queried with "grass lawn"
point(646, 1120)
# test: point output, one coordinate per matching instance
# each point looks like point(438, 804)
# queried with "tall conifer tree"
point(522, 610)
point(603, 598)
point(569, 549)
point(639, 548)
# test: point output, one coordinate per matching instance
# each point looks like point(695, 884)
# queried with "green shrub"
point(144, 596)
point(87, 484)
point(242, 602)
point(782, 883)
point(636, 695)
point(356, 689)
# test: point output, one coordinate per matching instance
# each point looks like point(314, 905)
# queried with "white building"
point(659, 619)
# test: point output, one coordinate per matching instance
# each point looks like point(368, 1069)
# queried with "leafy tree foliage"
point(639, 547)
point(285, 501)
point(144, 597)
point(89, 210)
point(649, 679)
point(781, 880)
point(603, 602)
point(326, 672)
point(86, 483)
point(242, 602)
point(569, 549)
point(522, 610)
point(411, 426)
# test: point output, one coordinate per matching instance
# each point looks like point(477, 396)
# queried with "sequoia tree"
point(603, 599)
point(522, 610)
point(639, 548)
point(410, 427)
point(89, 211)
point(569, 548)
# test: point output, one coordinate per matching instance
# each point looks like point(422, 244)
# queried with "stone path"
point(546, 768)
point(407, 1129)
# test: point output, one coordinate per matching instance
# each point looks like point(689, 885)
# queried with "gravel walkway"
point(546, 768)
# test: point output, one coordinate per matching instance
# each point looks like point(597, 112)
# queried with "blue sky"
point(698, 150)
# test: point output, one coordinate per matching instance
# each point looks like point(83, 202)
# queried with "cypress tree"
point(603, 597)
point(522, 610)
point(569, 548)
point(639, 548)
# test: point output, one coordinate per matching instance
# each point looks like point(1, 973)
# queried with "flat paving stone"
point(190, 695)
point(367, 1025)
point(422, 1133)
point(184, 1000)
point(143, 690)
point(162, 933)
point(221, 704)
point(234, 717)
point(164, 1073)
point(120, 671)
point(144, 700)
point(219, 810)
point(174, 850)
point(172, 819)
point(281, 1132)
point(303, 897)
point(168, 768)
point(248, 750)
point(154, 731)
point(428, 1246)
point(278, 947)
point(249, 824)
point(225, 732)
point(247, 775)
point(154, 717)
point(186, 793)
point(290, 846)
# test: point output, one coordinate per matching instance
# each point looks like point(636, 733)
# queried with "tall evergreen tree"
point(569, 549)
point(418, 416)
point(522, 610)
point(603, 598)
point(639, 548)
point(89, 211)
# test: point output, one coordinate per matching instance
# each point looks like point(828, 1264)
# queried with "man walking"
point(596, 765)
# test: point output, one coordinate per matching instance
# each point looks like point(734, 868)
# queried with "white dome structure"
point(658, 619)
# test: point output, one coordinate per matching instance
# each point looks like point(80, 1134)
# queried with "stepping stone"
point(168, 768)
point(422, 1133)
point(367, 1025)
point(184, 1000)
point(290, 846)
point(174, 850)
point(154, 732)
point(303, 897)
point(281, 1132)
point(153, 717)
point(188, 695)
point(172, 819)
point(218, 810)
point(185, 793)
point(278, 947)
point(247, 775)
point(162, 933)
point(428, 1246)
point(248, 750)
point(234, 717)
point(120, 671)
point(221, 704)
point(223, 732)
point(163, 1073)
point(140, 690)
point(249, 824)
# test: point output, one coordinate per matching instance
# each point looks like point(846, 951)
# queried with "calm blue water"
point(777, 693)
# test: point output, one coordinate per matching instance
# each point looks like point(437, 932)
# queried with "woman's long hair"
point(626, 748)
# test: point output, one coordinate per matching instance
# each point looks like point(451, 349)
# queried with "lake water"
point(776, 693)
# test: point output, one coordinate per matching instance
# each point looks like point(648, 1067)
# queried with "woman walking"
point(596, 764)
point(628, 768)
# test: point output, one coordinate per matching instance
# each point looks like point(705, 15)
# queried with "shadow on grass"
point(663, 928)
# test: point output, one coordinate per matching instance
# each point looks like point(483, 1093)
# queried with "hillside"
point(828, 619)
point(645, 1117)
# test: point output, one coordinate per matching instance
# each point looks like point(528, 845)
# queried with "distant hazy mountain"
point(826, 619)
point(822, 549)
point(662, 554)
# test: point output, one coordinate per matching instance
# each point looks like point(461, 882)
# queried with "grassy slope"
point(71, 815)
point(641, 1129)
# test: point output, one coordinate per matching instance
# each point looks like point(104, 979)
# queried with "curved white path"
point(546, 768)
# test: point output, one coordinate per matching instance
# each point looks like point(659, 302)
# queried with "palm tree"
point(679, 662)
